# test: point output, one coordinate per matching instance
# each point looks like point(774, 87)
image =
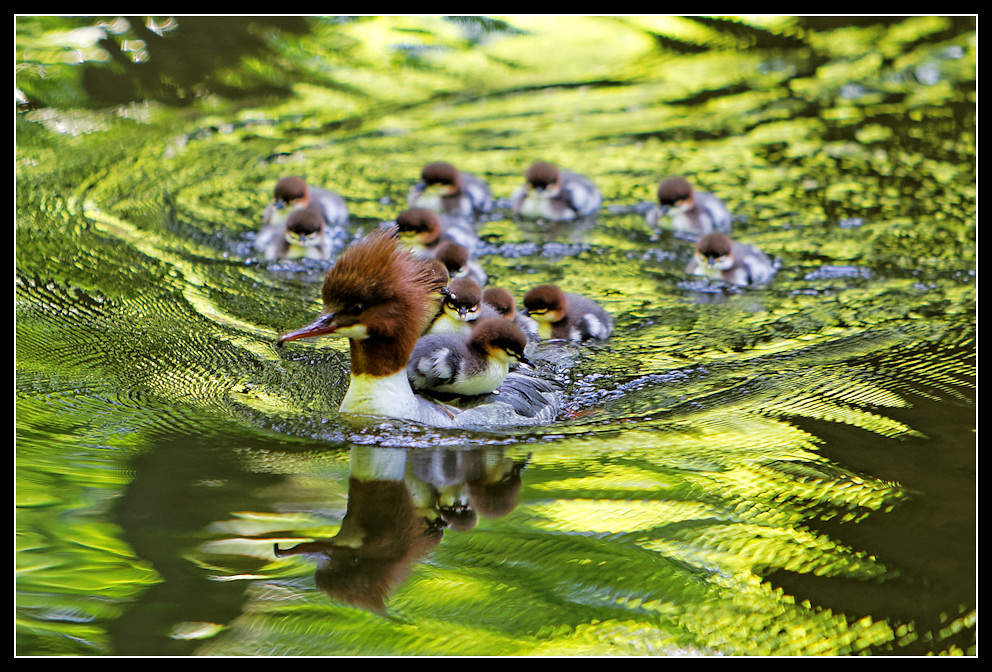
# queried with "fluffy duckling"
point(424, 230)
point(720, 258)
point(502, 302)
point(696, 213)
point(567, 316)
point(467, 365)
point(303, 234)
point(459, 262)
point(461, 308)
point(293, 192)
point(554, 194)
point(445, 189)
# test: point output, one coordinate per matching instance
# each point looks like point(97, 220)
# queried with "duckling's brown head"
point(546, 303)
point(418, 225)
point(290, 190)
point(465, 298)
point(305, 221)
point(715, 251)
point(542, 175)
point(501, 300)
point(715, 245)
point(673, 191)
point(440, 172)
point(453, 255)
point(500, 338)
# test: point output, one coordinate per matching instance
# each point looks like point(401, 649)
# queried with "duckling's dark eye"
point(356, 309)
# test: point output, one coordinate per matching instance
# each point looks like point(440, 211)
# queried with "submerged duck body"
point(692, 212)
point(550, 193)
point(378, 295)
point(447, 190)
point(570, 317)
point(293, 192)
point(467, 365)
point(721, 258)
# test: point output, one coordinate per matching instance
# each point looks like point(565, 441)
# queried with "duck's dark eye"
point(356, 309)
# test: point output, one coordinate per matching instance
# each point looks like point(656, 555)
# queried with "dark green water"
point(785, 470)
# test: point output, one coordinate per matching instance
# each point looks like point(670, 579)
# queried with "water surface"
point(781, 470)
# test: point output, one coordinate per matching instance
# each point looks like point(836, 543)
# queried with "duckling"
point(567, 316)
point(554, 194)
point(720, 258)
point(502, 302)
point(459, 263)
point(424, 230)
point(462, 307)
point(445, 189)
point(302, 234)
point(696, 213)
point(467, 365)
point(293, 192)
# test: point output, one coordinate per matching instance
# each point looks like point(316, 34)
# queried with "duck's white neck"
point(391, 396)
point(378, 395)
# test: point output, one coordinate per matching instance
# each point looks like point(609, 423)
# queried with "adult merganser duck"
point(461, 308)
point(503, 303)
point(692, 212)
point(303, 234)
point(555, 194)
point(459, 263)
point(567, 316)
point(424, 230)
point(471, 364)
point(378, 296)
point(720, 258)
point(291, 193)
point(445, 189)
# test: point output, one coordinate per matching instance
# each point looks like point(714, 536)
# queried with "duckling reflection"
point(399, 504)
point(470, 483)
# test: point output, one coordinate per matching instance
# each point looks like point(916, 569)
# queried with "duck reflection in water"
point(399, 504)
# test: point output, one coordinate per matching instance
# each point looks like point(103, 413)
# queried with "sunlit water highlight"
point(778, 470)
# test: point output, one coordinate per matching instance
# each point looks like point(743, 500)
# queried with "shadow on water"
point(916, 539)
point(179, 488)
